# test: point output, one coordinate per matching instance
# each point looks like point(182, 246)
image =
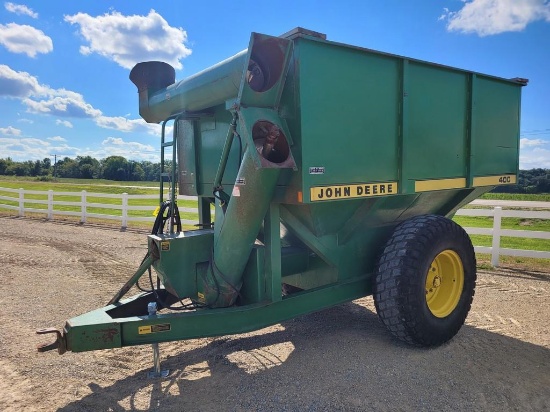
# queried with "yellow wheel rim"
point(444, 283)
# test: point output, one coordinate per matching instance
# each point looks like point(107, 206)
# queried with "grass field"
point(151, 188)
point(542, 197)
point(77, 185)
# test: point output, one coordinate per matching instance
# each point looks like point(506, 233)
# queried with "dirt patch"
point(338, 359)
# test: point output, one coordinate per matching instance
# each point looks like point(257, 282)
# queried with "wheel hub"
point(444, 283)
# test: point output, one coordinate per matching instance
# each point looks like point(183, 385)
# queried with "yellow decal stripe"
point(159, 327)
point(495, 180)
point(321, 193)
point(439, 184)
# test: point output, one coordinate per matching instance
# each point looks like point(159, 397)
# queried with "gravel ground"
point(337, 359)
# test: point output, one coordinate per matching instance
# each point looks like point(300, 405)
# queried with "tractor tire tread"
point(398, 281)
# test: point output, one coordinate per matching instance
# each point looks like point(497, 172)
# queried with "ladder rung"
point(166, 144)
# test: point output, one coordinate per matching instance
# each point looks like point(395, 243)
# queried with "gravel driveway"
point(338, 359)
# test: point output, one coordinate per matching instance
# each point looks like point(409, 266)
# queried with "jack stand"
point(156, 372)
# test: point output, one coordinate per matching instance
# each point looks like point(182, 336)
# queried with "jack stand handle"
point(60, 344)
point(156, 372)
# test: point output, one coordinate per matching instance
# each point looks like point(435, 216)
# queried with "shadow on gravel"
point(338, 359)
point(522, 274)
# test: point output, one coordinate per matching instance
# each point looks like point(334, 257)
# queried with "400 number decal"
point(495, 180)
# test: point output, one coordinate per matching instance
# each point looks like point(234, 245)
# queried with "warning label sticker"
point(321, 193)
point(161, 327)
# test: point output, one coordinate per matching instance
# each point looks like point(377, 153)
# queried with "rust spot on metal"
point(270, 142)
point(108, 335)
point(255, 76)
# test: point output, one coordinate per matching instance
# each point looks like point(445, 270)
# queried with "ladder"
point(172, 174)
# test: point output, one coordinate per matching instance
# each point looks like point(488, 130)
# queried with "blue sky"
point(64, 65)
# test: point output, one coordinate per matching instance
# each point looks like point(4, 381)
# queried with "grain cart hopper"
point(333, 171)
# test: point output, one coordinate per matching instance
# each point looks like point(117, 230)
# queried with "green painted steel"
point(220, 284)
point(182, 252)
point(333, 146)
point(496, 145)
point(203, 90)
point(100, 330)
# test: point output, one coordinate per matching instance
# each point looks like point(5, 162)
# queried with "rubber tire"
point(400, 280)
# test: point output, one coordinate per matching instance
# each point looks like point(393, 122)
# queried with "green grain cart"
point(332, 171)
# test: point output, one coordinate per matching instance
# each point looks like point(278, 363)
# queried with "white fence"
point(496, 212)
point(496, 231)
point(84, 205)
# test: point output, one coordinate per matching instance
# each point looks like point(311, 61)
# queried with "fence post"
point(495, 250)
point(21, 202)
point(124, 223)
point(83, 207)
point(50, 204)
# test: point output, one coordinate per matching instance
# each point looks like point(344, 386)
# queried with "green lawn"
point(508, 223)
point(542, 245)
point(543, 197)
point(513, 223)
point(90, 185)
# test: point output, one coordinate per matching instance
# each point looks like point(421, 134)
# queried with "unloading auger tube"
point(267, 152)
point(334, 172)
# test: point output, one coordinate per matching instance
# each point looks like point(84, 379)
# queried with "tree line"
point(529, 181)
point(84, 167)
point(121, 169)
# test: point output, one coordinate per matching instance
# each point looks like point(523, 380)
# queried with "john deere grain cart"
point(333, 171)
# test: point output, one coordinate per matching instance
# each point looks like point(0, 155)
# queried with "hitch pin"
point(58, 344)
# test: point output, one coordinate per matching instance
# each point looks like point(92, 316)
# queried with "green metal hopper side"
point(331, 168)
point(358, 116)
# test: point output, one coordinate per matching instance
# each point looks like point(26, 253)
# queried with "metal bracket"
point(58, 344)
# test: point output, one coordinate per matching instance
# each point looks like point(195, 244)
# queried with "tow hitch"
point(60, 344)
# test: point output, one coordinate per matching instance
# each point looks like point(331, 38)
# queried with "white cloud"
point(24, 148)
point(20, 9)
point(489, 17)
point(130, 125)
point(18, 84)
point(115, 146)
point(10, 131)
point(118, 143)
point(128, 40)
point(536, 158)
point(524, 142)
point(534, 153)
point(445, 14)
point(61, 102)
point(27, 141)
point(65, 123)
point(24, 39)
point(21, 149)
point(116, 123)
point(43, 99)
